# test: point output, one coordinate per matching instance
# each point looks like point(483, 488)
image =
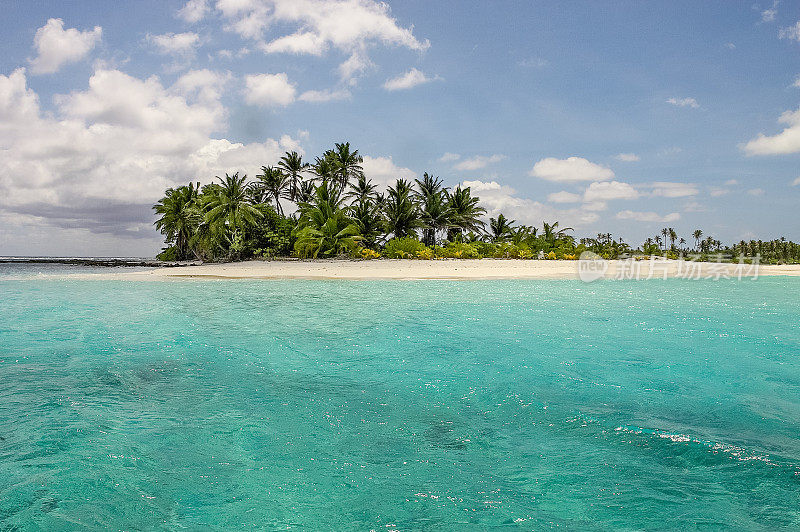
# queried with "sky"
point(619, 116)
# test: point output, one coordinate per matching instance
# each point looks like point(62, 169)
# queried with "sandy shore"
point(448, 269)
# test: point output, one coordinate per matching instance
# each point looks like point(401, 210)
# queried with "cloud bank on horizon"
point(93, 131)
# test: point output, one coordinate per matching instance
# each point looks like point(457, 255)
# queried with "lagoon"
point(399, 404)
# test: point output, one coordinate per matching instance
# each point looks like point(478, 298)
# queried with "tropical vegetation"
point(330, 208)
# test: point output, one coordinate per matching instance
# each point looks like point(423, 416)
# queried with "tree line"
point(340, 212)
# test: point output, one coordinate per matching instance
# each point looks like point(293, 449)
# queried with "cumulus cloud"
point(627, 157)
point(383, 171)
point(105, 154)
point(609, 190)
point(648, 216)
point(56, 46)
point(175, 43)
point(666, 189)
point(684, 102)
point(756, 191)
point(410, 79)
point(795, 182)
point(269, 90)
point(503, 199)
point(570, 170)
point(449, 157)
point(478, 162)
point(787, 141)
point(193, 11)
point(349, 26)
point(324, 95)
point(563, 197)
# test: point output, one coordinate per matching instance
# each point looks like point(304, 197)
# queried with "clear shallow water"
point(400, 405)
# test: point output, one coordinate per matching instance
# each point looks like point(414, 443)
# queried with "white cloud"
point(449, 157)
point(716, 192)
point(668, 189)
point(497, 199)
point(792, 32)
point(193, 11)
point(648, 216)
point(56, 46)
point(795, 182)
point(570, 170)
point(324, 96)
point(349, 26)
point(796, 82)
point(478, 162)
point(269, 90)
point(410, 79)
point(384, 172)
point(684, 102)
point(563, 197)
point(105, 154)
point(175, 43)
point(756, 191)
point(609, 190)
point(787, 141)
point(730, 46)
point(731, 182)
point(627, 157)
point(768, 15)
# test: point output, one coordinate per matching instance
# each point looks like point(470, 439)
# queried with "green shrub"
point(404, 248)
point(458, 250)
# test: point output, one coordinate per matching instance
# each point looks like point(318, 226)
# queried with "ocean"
point(399, 405)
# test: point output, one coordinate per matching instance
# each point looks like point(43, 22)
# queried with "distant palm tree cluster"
point(340, 212)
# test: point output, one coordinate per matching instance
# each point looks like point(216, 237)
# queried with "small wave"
point(734, 452)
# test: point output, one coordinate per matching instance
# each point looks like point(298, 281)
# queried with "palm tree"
point(673, 236)
point(305, 194)
point(180, 216)
point(293, 166)
point(324, 227)
point(697, 234)
point(500, 227)
point(400, 210)
point(275, 183)
point(348, 164)
point(665, 234)
point(368, 220)
point(435, 211)
point(324, 167)
point(229, 212)
point(466, 213)
point(553, 234)
point(362, 190)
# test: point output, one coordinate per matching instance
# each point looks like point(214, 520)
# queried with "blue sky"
point(619, 117)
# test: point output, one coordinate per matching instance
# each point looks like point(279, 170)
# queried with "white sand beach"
point(455, 269)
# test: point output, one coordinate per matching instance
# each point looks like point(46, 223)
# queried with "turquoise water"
point(400, 405)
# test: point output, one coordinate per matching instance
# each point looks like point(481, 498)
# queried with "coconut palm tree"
point(368, 220)
point(697, 234)
point(347, 164)
point(673, 236)
point(435, 211)
point(180, 216)
point(362, 190)
point(401, 210)
point(228, 210)
point(324, 227)
point(466, 213)
point(275, 183)
point(551, 232)
point(500, 227)
point(293, 166)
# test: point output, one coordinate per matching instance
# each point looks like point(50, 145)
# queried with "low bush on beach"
point(404, 248)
